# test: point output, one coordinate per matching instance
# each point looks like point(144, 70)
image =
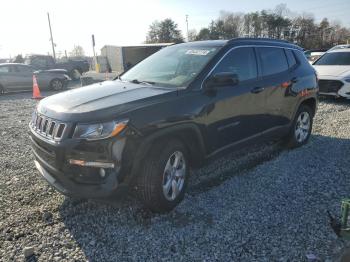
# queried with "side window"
point(240, 61)
point(273, 60)
point(4, 69)
point(24, 69)
point(291, 58)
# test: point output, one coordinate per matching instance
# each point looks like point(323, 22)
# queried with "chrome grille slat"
point(48, 127)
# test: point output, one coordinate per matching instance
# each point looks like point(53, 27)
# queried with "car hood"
point(90, 102)
point(332, 70)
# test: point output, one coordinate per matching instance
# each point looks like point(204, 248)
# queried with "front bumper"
point(334, 86)
point(52, 161)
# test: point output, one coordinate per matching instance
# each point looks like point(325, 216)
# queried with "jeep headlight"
point(99, 130)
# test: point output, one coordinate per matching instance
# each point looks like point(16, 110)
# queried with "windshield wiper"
point(136, 81)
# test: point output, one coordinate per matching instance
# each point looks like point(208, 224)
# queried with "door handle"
point(257, 90)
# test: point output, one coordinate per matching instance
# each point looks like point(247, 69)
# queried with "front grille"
point(47, 127)
point(329, 86)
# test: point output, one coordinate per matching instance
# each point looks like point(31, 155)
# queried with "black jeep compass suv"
point(187, 102)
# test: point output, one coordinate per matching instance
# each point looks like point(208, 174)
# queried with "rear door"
point(276, 79)
point(237, 111)
point(25, 76)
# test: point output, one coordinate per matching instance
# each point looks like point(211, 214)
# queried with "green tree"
point(165, 31)
point(204, 34)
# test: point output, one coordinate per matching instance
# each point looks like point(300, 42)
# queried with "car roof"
point(264, 41)
point(340, 50)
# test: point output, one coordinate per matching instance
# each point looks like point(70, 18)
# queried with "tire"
point(75, 74)
point(301, 128)
point(56, 84)
point(161, 183)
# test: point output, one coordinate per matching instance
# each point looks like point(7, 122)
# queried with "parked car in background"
point(75, 68)
point(333, 70)
point(339, 47)
point(313, 54)
point(172, 111)
point(19, 77)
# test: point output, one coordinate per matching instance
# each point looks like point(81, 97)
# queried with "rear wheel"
point(56, 85)
point(162, 181)
point(301, 128)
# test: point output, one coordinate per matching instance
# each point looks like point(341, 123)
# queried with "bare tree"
point(77, 51)
point(280, 23)
point(192, 35)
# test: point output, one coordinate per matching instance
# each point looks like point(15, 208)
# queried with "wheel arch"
point(310, 102)
point(189, 134)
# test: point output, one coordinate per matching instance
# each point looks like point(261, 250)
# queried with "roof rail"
point(258, 39)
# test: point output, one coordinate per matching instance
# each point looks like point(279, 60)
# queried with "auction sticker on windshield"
point(197, 52)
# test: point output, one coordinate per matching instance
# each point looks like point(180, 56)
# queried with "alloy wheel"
point(302, 127)
point(57, 85)
point(174, 176)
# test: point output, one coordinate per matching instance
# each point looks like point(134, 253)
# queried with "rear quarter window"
point(301, 57)
point(291, 58)
point(273, 60)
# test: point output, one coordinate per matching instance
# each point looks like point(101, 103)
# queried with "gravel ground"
point(261, 204)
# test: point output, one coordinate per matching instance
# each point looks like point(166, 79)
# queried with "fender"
point(302, 100)
point(148, 141)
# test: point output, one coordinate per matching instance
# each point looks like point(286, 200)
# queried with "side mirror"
point(221, 79)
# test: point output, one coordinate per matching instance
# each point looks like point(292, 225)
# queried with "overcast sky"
point(24, 28)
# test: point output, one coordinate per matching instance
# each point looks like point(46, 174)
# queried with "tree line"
point(279, 23)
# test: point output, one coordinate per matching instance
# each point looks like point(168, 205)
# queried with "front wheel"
point(300, 131)
point(162, 181)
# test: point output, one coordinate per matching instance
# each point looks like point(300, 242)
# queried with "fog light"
point(102, 172)
point(91, 164)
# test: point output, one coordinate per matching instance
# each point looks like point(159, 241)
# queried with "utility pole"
point(97, 65)
point(188, 39)
point(51, 38)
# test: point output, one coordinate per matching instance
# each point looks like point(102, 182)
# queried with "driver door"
point(237, 111)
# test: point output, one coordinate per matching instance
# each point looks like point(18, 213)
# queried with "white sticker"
point(197, 52)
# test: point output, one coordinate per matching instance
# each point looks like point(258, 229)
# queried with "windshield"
point(336, 58)
point(173, 66)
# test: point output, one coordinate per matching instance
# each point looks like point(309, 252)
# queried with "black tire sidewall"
point(158, 160)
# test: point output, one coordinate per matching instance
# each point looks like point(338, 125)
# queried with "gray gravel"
point(261, 204)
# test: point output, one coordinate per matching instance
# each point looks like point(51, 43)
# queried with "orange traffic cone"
point(36, 90)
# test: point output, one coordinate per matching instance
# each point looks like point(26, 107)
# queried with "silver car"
point(18, 77)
